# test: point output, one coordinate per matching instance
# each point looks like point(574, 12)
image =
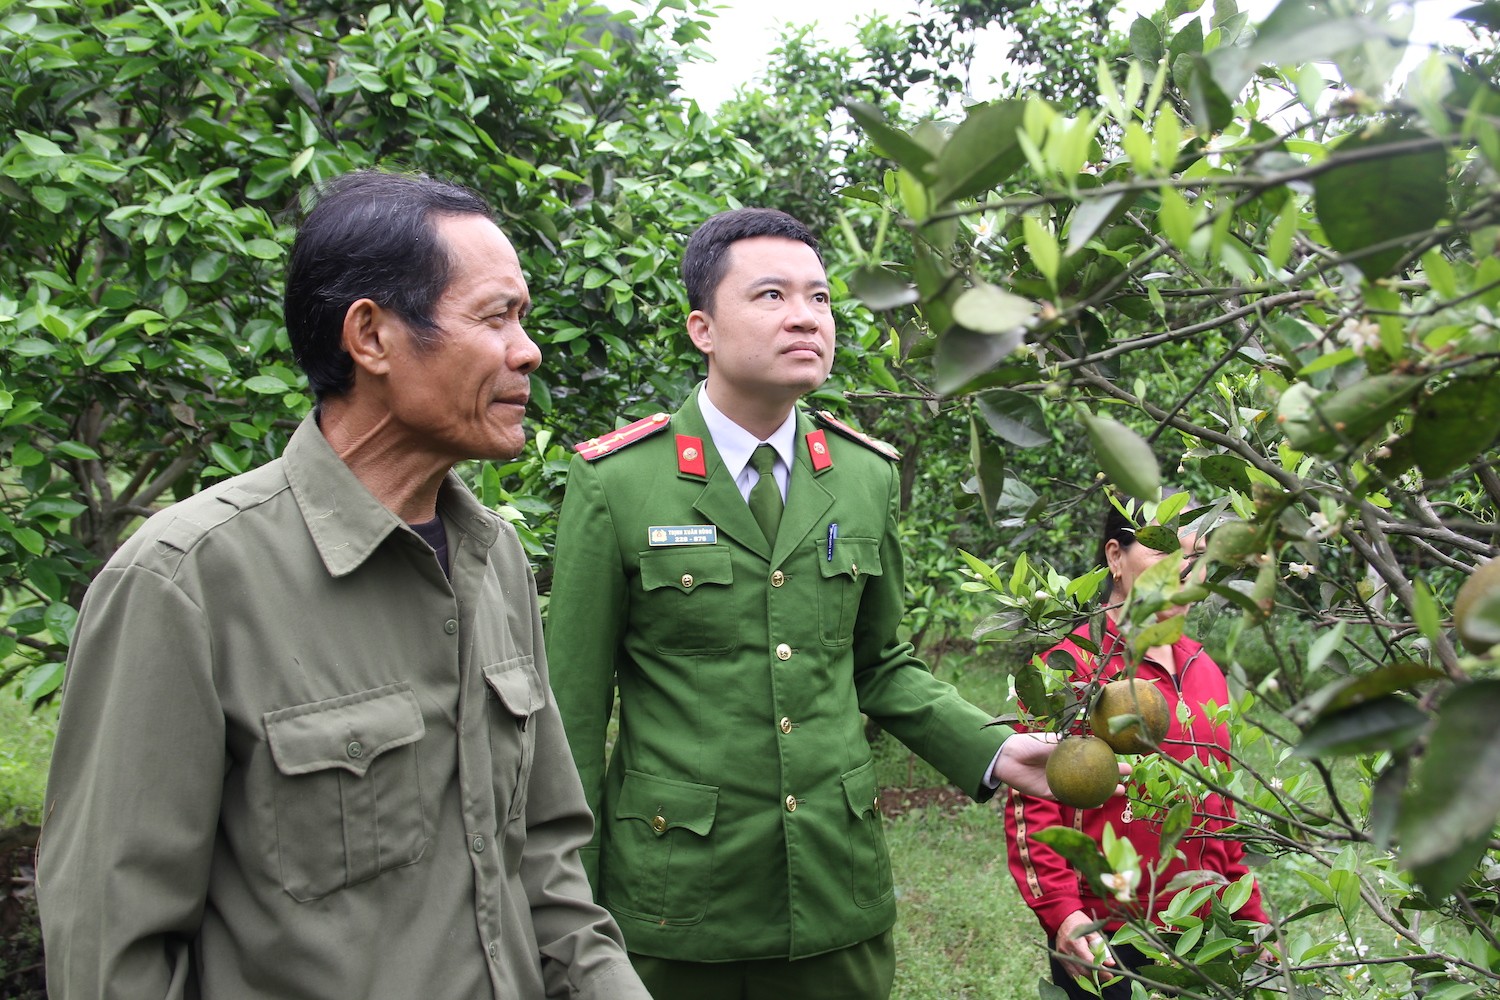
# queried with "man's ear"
point(700, 328)
point(368, 336)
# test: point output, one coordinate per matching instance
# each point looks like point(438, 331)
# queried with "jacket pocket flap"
point(861, 789)
point(686, 567)
point(851, 557)
point(349, 731)
point(517, 686)
point(665, 804)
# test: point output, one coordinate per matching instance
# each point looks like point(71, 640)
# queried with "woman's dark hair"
point(1120, 526)
point(706, 258)
point(371, 235)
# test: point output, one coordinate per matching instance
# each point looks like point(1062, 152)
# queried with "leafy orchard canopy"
point(1284, 285)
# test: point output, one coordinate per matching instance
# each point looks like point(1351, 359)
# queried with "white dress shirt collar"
point(735, 445)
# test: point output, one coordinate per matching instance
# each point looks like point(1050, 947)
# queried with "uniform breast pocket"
point(515, 696)
point(687, 600)
point(348, 796)
point(854, 561)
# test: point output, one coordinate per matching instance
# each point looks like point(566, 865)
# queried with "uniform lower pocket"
point(869, 861)
point(657, 851)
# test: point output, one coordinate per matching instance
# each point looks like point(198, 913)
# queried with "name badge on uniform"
point(683, 534)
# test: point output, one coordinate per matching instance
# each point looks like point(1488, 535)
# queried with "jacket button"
point(783, 652)
point(687, 580)
point(786, 724)
point(854, 568)
point(450, 626)
point(877, 803)
point(778, 578)
point(478, 845)
point(659, 824)
point(791, 803)
point(355, 750)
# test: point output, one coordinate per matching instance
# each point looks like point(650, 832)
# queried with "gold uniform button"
point(659, 824)
point(783, 652)
point(877, 803)
point(791, 803)
point(778, 578)
point(687, 581)
point(786, 724)
point(854, 568)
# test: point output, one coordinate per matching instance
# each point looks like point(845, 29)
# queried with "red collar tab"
point(690, 460)
point(879, 447)
point(817, 451)
point(606, 444)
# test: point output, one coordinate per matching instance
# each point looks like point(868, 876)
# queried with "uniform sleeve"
point(583, 954)
point(133, 795)
point(897, 690)
point(585, 629)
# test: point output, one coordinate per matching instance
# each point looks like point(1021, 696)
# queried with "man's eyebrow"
point(772, 280)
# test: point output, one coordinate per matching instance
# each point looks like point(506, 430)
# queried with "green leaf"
point(1425, 611)
point(38, 145)
point(1125, 457)
point(982, 152)
point(891, 141)
point(1385, 723)
point(266, 385)
point(1348, 692)
point(1455, 424)
point(1454, 797)
point(1323, 646)
point(42, 681)
point(264, 249)
point(1369, 201)
point(1162, 539)
point(1225, 472)
point(986, 308)
point(963, 356)
point(1093, 214)
point(1015, 417)
point(1324, 423)
point(1042, 246)
point(1081, 851)
point(881, 289)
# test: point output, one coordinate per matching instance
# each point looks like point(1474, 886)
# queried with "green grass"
point(961, 928)
point(25, 751)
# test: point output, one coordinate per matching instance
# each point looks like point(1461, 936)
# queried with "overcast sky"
point(746, 31)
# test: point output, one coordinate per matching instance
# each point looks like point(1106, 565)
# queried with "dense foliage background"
point(1240, 253)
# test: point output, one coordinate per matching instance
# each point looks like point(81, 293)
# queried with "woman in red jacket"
point(1061, 899)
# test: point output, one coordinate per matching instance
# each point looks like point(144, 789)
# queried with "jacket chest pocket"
point(348, 797)
point(842, 584)
point(515, 696)
point(687, 600)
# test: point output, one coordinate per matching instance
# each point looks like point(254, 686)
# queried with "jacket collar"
point(346, 522)
point(720, 501)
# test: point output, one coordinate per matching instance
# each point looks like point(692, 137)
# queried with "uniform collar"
point(345, 520)
point(735, 444)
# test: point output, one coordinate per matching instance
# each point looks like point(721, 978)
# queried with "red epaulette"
point(834, 423)
point(606, 444)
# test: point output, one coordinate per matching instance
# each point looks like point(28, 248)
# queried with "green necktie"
point(765, 495)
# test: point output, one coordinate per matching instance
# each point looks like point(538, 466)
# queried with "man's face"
point(770, 333)
point(465, 395)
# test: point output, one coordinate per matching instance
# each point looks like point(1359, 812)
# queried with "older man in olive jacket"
point(734, 568)
point(307, 748)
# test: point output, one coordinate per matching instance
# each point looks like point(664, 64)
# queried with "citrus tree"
point(1257, 262)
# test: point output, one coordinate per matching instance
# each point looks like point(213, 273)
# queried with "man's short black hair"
point(706, 258)
point(371, 235)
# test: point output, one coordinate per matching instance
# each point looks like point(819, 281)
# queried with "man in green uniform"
point(734, 568)
point(307, 748)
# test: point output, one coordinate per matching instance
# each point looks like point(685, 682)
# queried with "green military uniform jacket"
point(738, 815)
point(296, 760)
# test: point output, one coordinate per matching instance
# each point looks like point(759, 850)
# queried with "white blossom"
point(1359, 335)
